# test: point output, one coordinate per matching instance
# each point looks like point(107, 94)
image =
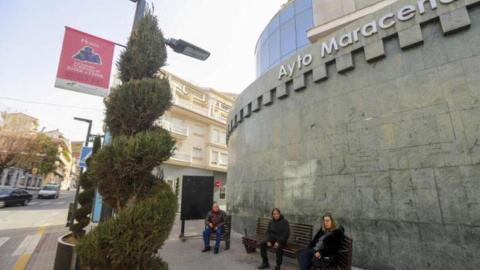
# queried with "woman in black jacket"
point(326, 243)
point(277, 235)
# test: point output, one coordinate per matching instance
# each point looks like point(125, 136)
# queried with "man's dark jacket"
point(278, 230)
point(218, 219)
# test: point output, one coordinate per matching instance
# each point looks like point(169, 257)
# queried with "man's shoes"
point(277, 267)
point(206, 249)
point(264, 265)
point(215, 251)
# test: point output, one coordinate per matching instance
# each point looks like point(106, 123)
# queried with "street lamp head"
point(134, 1)
point(186, 48)
point(83, 119)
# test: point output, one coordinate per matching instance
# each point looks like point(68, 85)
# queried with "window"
point(216, 135)
point(214, 158)
point(223, 159)
point(222, 193)
point(199, 130)
point(197, 152)
point(223, 137)
point(176, 121)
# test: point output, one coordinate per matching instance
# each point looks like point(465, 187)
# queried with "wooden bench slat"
point(227, 228)
point(300, 237)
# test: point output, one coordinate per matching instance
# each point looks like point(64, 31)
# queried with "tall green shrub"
point(145, 205)
point(85, 199)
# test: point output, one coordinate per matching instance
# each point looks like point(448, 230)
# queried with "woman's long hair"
point(335, 225)
point(275, 209)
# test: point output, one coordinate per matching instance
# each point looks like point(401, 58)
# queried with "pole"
point(81, 172)
point(139, 11)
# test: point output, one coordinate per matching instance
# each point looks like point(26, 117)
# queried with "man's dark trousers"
point(263, 251)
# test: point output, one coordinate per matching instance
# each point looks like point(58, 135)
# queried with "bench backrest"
point(228, 225)
point(299, 233)
point(344, 257)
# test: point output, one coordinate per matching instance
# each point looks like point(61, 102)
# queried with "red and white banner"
point(85, 63)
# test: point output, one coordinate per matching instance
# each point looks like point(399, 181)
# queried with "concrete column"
point(4, 176)
point(14, 179)
point(21, 176)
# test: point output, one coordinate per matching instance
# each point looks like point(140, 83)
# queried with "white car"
point(49, 191)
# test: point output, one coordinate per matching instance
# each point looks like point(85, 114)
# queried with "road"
point(25, 229)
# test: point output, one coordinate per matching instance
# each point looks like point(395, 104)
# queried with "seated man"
point(214, 222)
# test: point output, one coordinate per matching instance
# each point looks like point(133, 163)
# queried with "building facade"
point(16, 131)
point(65, 162)
point(198, 122)
point(376, 121)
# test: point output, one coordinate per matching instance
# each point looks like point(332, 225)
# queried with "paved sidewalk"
point(179, 255)
point(43, 257)
point(187, 255)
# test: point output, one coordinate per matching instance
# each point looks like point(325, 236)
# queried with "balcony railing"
point(187, 105)
point(182, 130)
point(220, 119)
point(181, 156)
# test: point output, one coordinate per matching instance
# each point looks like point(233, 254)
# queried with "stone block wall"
point(384, 135)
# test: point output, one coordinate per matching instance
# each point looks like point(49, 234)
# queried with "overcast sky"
point(31, 36)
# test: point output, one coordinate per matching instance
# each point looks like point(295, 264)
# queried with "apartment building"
point(198, 122)
point(62, 173)
point(16, 131)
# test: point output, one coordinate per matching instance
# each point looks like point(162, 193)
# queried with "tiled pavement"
point(179, 254)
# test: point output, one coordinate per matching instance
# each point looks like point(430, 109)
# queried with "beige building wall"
point(197, 120)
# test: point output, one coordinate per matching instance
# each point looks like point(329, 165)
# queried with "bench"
point(227, 228)
point(300, 237)
point(344, 256)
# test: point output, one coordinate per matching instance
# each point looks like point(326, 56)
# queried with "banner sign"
point(85, 63)
point(86, 153)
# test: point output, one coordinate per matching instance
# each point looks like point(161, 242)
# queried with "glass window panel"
point(302, 5)
point(274, 48)
point(264, 36)
point(287, 14)
point(303, 47)
point(273, 25)
point(214, 158)
point(274, 64)
point(304, 21)
point(258, 66)
point(287, 34)
point(288, 55)
point(264, 58)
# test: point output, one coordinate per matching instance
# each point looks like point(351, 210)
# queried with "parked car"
point(11, 196)
point(49, 191)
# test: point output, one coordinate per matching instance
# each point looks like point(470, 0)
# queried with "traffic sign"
point(86, 153)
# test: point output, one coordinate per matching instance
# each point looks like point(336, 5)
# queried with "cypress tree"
point(145, 205)
point(85, 199)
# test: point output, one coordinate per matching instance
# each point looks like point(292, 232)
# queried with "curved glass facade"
point(285, 35)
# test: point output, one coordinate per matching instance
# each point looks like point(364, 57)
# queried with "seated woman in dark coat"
point(326, 243)
point(278, 232)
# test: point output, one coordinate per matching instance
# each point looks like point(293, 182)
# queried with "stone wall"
point(384, 134)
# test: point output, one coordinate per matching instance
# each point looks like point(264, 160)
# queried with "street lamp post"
point(81, 168)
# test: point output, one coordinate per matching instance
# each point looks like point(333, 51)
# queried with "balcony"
point(181, 156)
point(178, 129)
point(191, 107)
point(221, 119)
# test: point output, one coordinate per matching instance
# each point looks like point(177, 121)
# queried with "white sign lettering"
point(388, 20)
point(299, 63)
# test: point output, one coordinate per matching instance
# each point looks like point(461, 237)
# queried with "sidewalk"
point(187, 255)
point(179, 255)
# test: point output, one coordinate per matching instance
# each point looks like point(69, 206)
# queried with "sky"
point(32, 31)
